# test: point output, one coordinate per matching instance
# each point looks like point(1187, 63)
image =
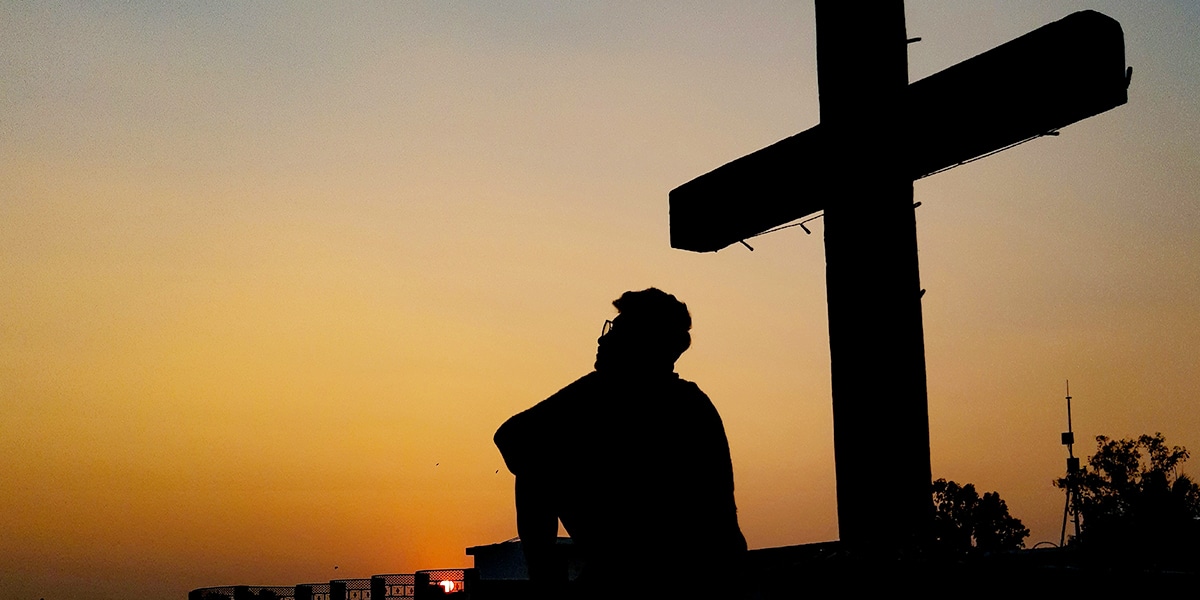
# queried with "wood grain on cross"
point(877, 134)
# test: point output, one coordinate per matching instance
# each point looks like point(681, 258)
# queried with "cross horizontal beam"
point(1047, 79)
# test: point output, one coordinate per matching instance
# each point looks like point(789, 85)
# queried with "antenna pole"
point(1068, 440)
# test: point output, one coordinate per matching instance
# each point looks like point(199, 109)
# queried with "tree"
point(964, 523)
point(1135, 503)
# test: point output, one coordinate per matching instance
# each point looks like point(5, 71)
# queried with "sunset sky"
point(272, 273)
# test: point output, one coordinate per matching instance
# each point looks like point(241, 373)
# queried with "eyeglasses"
point(608, 325)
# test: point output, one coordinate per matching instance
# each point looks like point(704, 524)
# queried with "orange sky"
point(272, 274)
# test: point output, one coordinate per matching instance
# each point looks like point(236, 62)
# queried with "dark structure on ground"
point(772, 573)
point(877, 134)
point(441, 583)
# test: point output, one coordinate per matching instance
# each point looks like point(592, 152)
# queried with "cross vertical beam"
point(876, 343)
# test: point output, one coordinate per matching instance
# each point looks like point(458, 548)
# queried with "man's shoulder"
point(526, 434)
point(688, 387)
point(692, 405)
point(690, 392)
point(571, 398)
point(557, 406)
point(587, 385)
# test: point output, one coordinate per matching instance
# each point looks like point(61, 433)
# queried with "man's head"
point(649, 333)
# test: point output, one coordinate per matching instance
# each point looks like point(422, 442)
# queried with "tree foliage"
point(964, 522)
point(1133, 499)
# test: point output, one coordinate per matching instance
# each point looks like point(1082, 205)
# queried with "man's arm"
point(537, 515)
point(537, 525)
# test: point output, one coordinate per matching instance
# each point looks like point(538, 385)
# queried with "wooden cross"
point(877, 134)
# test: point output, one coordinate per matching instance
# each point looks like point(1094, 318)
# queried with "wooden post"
point(880, 408)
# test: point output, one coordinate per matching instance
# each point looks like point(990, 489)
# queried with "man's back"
point(638, 467)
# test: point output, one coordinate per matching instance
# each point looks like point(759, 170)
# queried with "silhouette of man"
point(634, 461)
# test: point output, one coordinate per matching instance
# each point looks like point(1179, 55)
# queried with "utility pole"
point(1068, 440)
